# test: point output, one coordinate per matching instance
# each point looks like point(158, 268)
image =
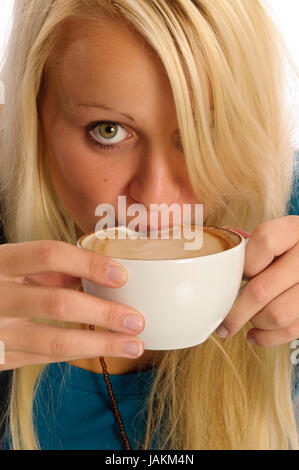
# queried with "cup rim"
point(237, 246)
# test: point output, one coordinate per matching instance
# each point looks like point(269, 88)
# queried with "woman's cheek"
point(82, 182)
point(78, 186)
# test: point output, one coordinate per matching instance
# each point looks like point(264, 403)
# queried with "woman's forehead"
point(106, 61)
point(100, 39)
point(102, 57)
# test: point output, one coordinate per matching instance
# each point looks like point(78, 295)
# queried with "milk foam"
point(215, 240)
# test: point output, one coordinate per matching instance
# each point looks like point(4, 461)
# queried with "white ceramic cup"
point(183, 301)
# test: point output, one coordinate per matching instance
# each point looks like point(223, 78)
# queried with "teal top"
point(72, 408)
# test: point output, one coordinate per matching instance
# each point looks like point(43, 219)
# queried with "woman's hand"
point(41, 279)
point(270, 300)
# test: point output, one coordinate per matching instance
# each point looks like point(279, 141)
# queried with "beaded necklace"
point(113, 400)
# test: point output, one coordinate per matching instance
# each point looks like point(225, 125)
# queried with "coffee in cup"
point(183, 295)
point(214, 240)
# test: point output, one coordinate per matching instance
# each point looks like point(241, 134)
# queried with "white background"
point(285, 12)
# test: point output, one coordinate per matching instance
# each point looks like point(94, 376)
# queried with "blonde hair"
point(223, 393)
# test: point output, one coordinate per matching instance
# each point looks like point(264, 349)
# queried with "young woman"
point(179, 101)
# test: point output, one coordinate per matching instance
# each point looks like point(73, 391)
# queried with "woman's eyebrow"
point(103, 106)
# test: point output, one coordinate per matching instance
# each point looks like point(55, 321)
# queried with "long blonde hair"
point(223, 393)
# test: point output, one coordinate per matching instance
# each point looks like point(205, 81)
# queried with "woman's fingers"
point(39, 280)
point(55, 303)
point(53, 280)
point(16, 359)
point(52, 341)
point(30, 258)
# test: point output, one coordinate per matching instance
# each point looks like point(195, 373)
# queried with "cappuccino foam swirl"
point(214, 240)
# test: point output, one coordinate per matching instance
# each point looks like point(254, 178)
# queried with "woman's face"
point(102, 71)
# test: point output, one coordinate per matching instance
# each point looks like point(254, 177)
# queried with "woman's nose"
point(157, 181)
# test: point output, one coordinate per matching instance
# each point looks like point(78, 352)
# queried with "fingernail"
point(222, 331)
point(133, 348)
point(116, 274)
point(133, 322)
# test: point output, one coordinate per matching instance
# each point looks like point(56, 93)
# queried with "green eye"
point(108, 131)
point(107, 134)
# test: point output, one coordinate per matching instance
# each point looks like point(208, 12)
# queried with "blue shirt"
point(72, 408)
